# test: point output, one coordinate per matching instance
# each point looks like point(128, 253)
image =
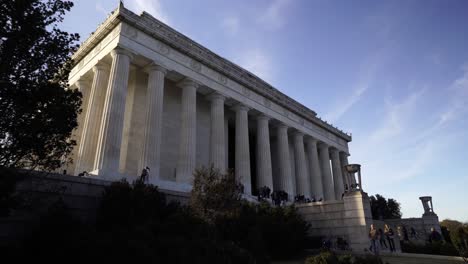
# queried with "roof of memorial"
point(157, 29)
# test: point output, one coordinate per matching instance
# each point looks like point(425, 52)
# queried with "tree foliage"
point(38, 111)
point(383, 208)
point(214, 194)
point(456, 233)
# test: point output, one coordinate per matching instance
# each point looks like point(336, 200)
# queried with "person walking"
point(374, 236)
point(388, 231)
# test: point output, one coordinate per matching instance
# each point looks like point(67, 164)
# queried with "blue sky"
point(392, 73)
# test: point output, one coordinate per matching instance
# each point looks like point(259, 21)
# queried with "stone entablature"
point(168, 42)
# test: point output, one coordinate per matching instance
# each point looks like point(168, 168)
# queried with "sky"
point(392, 73)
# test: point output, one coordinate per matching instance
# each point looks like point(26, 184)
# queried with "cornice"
point(157, 29)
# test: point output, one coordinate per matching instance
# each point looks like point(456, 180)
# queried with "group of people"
point(379, 239)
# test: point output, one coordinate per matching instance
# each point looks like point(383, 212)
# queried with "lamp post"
point(352, 169)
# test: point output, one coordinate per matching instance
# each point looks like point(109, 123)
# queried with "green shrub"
point(434, 248)
point(328, 257)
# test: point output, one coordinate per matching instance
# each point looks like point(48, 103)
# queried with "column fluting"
point(302, 179)
point(188, 132)
point(285, 177)
point(315, 173)
point(327, 180)
point(151, 153)
point(110, 135)
point(263, 151)
point(217, 137)
point(242, 158)
point(92, 119)
point(337, 174)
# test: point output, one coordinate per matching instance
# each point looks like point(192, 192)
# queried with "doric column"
point(151, 154)
point(188, 132)
point(343, 163)
point(226, 142)
point(285, 177)
point(85, 88)
point(217, 137)
point(315, 173)
point(302, 179)
point(92, 120)
point(328, 188)
point(242, 166)
point(337, 174)
point(110, 135)
point(264, 170)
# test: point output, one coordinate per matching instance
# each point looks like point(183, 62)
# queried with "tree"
point(38, 111)
point(214, 194)
point(384, 209)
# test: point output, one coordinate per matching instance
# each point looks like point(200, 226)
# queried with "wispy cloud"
point(153, 7)
point(258, 62)
point(231, 25)
point(410, 139)
point(365, 79)
point(274, 16)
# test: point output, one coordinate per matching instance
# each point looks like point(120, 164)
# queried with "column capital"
point(240, 107)
point(322, 145)
point(155, 67)
point(333, 151)
point(216, 96)
point(262, 116)
point(187, 82)
point(281, 125)
point(311, 140)
point(297, 133)
point(101, 66)
point(122, 51)
point(344, 153)
point(81, 83)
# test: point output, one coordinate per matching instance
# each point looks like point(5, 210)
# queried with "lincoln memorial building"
point(154, 98)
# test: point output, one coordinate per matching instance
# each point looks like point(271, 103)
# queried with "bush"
point(135, 223)
point(434, 248)
point(328, 257)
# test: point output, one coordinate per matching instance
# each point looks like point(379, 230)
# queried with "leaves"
point(37, 110)
point(384, 209)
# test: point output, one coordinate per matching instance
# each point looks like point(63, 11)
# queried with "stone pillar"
point(110, 135)
point(217, 137)
point(188, 132)
point(85, 88)
point(285, 177)
point(344, 162)
point(92, 120)
point(226, 141)
point(302, 179)
point(151, 154)
point(264, 170)
point(315, 173)
point(242, 166)
point(337, 174)
point(328, 188)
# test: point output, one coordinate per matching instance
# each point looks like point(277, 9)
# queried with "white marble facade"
point(155, 98)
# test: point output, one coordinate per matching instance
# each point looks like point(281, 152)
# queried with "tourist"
point(388, 231)
point(413, 234)
point(434, 236)
point(382, 239)
point(405, 234)
point(374, 236)
point(144, 175)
